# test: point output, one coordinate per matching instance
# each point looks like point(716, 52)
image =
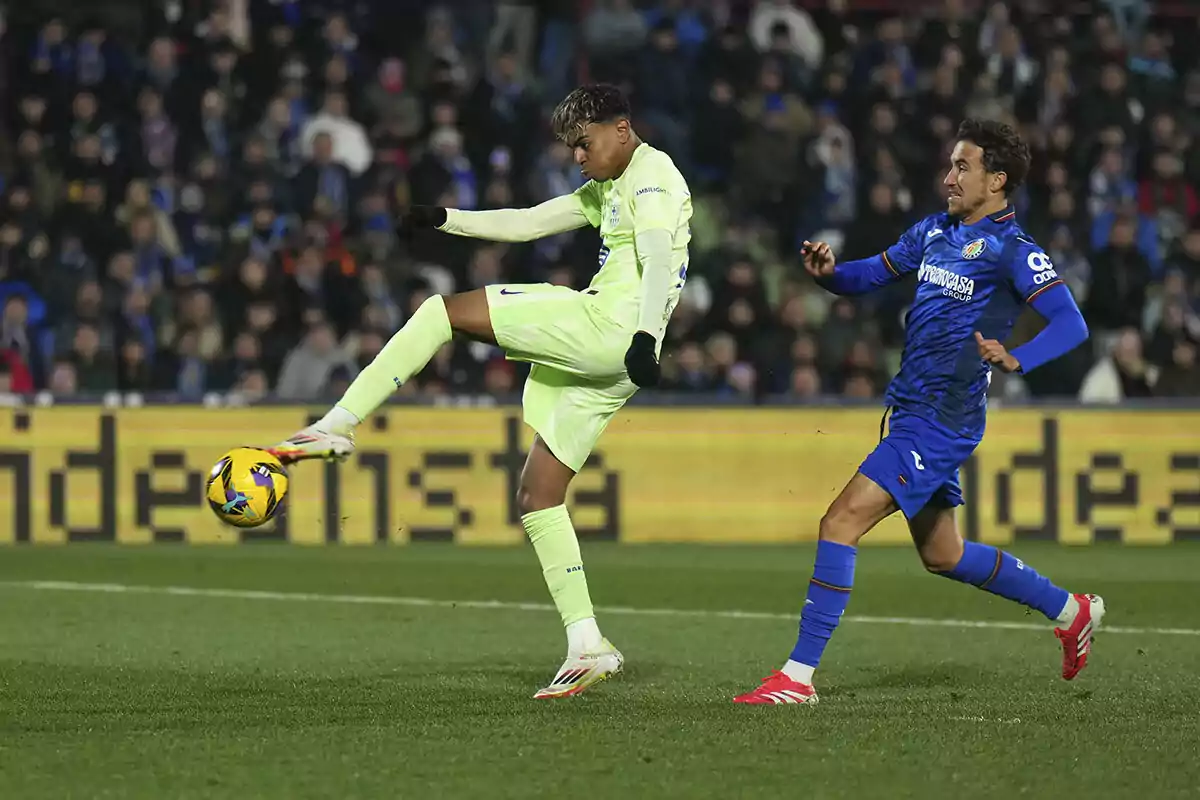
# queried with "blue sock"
point(995, 571)
point(828, 594)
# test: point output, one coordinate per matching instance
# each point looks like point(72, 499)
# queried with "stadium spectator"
point(1123, 374)
point(135, 372)
point(94, 368)
point(662, 90)
point(776, 23)
point(20, 351)
point(1180, 377)
point(1120, 281)
point(63, 380)
point(392, 102)
point(186, 204)
point(308, 369)
point(612, 31)
point(332, 127)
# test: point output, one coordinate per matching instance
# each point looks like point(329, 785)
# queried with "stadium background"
point(197, 248)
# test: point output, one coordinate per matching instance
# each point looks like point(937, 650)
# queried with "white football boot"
point(582, 671)
point(312, 442)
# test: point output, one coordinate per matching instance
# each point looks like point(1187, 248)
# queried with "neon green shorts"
point(578, 380)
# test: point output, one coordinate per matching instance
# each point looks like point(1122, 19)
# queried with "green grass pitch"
point(278, 690)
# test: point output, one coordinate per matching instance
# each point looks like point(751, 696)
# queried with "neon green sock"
point(557, 548)
point(406, 354)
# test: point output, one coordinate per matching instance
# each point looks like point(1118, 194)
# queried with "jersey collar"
point(1005, 214)
point(637, 153)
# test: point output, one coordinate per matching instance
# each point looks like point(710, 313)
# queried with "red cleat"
point(778, 689)
point(1077, 639)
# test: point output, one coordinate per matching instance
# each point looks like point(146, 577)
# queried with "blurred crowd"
point(198, 196)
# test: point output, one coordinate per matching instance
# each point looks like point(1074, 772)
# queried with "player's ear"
point(999, 179)
point(623, 130)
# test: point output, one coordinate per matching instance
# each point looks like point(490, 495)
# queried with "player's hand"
point(818, 259)
point(994, 353)
point(640, 361)
point(423, 218)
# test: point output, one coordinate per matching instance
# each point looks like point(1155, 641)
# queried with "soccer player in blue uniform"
point(975, 269)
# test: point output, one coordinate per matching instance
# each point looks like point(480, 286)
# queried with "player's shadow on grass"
point(940, 676)
point(503, 680)
point(512, 673)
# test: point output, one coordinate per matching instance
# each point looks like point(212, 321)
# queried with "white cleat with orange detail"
point(583, 671)
point(313, 443)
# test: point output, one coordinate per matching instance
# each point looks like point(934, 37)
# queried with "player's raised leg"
point(944, 552)
point(861, 506)
point(548, 326)
point(406, 354)
point(541, 499)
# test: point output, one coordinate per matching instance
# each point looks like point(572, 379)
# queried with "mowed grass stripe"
point(499, 605)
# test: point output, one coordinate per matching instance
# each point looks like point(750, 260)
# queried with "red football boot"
point(778, 689)
point(1077, 638)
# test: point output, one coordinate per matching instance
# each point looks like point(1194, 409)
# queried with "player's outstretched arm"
point(850, 278)
point(558, 215)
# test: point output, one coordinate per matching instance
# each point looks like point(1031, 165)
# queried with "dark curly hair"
point(1003, 149)
point(597, 102)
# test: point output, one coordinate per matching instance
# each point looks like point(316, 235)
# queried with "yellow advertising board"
point(659, 475)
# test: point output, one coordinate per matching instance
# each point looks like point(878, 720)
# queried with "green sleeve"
point(590, 200)
point(658, 196)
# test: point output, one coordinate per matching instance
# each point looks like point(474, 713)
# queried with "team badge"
point(614, 215)
point(974, 249)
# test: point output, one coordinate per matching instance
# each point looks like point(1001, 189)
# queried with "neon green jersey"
point(650, 194)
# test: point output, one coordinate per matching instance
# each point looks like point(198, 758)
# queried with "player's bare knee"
point(458, 311)
point(938, 541)
point(526, 503)
point(841, 525)
point(532, 498)
point(940, 560)
point(941, 554)
point(469, 315)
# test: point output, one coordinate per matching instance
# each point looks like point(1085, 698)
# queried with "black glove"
point(640, 361)
point(423, 217)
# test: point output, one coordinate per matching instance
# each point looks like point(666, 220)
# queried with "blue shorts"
point(917, 462)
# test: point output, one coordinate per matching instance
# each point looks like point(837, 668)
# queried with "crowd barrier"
point(136, 476)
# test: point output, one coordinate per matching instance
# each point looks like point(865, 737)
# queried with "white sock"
point(338, 420)
point(583, 637)
point(801, 673)
point(1067, 615)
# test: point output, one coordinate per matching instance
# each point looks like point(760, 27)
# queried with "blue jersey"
point(969, 278)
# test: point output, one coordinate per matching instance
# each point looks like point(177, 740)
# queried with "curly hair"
point(1003, 149)
point(598, 102)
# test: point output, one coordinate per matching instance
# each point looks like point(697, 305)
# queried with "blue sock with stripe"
point(828, 594)
point(985, 567)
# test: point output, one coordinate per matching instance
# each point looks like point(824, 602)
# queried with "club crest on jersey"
point(974, 249)
point(614, 215)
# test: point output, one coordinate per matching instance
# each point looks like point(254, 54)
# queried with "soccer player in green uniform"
point(590, 350)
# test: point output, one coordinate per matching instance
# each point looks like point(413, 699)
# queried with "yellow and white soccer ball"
point(246, 487)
